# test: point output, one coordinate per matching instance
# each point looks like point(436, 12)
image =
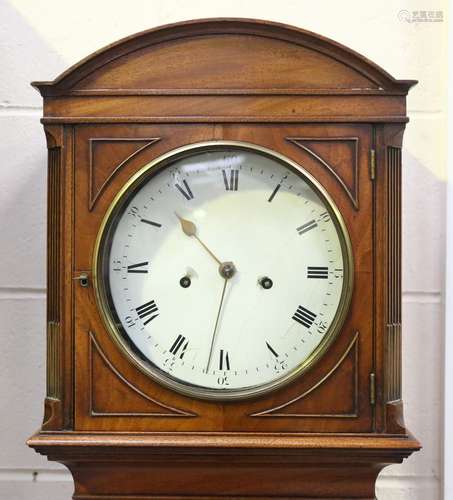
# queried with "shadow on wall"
point(424, 200)
point(25, 56)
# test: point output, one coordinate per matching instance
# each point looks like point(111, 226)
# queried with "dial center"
point(227, 270)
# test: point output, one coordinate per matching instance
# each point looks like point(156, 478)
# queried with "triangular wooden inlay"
point(339, 155)
point(114, 395)
point(326, 391)
point(101, 152)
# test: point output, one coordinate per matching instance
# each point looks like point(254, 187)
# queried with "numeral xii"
point(231, 183)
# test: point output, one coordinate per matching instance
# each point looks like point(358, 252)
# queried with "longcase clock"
point(224, 266)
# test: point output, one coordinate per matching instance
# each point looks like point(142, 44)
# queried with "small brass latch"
point(83, 280)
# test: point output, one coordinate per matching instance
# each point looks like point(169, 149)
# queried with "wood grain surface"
point(328, 433)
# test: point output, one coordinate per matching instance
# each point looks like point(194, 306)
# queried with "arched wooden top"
point(224, 57)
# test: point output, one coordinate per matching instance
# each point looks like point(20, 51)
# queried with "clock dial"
point(223, 271)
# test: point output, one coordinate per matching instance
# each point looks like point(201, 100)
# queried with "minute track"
point(272, 209)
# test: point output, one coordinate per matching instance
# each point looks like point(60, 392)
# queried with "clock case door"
point(333, 396)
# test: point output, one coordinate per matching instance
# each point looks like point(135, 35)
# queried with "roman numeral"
point(306, 227)
point(274, 192)
point(187, 193)
point(147, 309)
point(224, 363)
point(135, 268)
point(325, 217)
point(317, 272)
point(304, 316)
point(151, 223)
point(179, 344)
point(273, 351)
point(232, 183)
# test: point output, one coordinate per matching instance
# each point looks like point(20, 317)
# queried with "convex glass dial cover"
point(223, 270)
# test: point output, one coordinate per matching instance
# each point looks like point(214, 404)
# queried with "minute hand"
point(190, 229)
point(214, 333)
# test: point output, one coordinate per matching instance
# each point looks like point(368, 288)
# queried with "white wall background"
point(39, 39)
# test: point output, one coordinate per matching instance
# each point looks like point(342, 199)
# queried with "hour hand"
point(187, 226)
point(190, 229)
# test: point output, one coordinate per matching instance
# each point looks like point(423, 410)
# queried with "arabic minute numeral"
point(129, 321)
point(117, 265)
point(321, 327)
point(133, 211)
point(338, 273)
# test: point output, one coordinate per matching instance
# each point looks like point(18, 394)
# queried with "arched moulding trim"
point(170, 411)
point(223, 26)
point(276, 410)
point(95, 195)
point(353, 194)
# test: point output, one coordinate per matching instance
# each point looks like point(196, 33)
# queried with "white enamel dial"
point(224, 272)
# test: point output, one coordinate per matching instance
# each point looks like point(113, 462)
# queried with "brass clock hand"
point(190, 229)
point(227, 271)
point(214, 333)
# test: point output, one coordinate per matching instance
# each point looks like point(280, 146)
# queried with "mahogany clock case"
point(324, 107)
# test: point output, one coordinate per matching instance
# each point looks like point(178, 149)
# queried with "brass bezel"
point(198, 391)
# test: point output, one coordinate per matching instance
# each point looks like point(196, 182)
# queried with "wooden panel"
point(348, 362)
point(211, 62)
point(123, 399)
point(344, 374)
point(339, 156)
point(192, 109)
point(101, 171)
point(225, 55)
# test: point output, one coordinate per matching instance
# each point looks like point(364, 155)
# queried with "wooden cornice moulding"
point(235, 466)
point(79, 78)
point(294, 65)
point(134, 445)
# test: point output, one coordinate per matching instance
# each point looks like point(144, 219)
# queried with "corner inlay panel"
point(101, 171)
point(339, 155)
point(348, 376)
point(122, 393)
